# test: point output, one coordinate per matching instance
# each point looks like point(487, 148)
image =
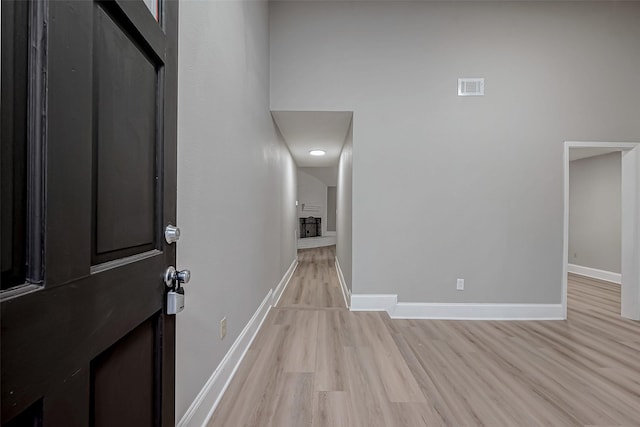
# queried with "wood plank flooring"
point(316, 364)
point(315, 281)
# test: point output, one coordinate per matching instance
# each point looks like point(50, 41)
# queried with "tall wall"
point(594, 212)
point(344, 208)
point(448, 187)
point(236, 183)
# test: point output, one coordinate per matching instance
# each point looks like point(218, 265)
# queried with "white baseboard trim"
point(454, 311)
point(201, 409)
point(464, 311)
point(284, 282)
point(346, 293)
point(595, 273)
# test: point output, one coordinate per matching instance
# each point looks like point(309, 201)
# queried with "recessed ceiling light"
point(317, 152)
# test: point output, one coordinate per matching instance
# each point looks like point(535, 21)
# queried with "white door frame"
point(630, 230)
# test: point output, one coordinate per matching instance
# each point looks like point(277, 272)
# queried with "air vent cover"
point(471, 87)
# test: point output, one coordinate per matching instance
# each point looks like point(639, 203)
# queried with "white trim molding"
point(277, 293)
point(465, 311)
point(346, 293)
point(201, 409)
point(454, 311)
point(594, 273)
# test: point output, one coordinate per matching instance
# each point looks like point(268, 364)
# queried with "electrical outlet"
point(460, 285)
point(223, 328)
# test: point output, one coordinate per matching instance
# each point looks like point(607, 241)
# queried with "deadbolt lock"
point(171, 234)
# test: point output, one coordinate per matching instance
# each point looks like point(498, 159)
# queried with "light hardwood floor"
point(314, 363)
point(315, 281)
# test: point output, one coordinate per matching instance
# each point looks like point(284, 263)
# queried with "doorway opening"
point(629, 225)
point(321, 143)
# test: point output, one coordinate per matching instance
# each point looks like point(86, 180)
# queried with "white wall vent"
point(471, 87)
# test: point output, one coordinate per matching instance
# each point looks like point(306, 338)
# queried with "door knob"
point(173, 276)
point(183, 276)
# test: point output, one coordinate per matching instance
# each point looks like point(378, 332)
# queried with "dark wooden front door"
point(89, 184)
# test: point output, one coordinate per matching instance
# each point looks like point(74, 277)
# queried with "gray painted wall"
point(236, 183)
point(344, 208)
point(594, 212)
point(460, 187)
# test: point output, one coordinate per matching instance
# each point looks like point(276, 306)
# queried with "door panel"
point(88, 338)
point(122, 380)
point(125, 114)
point(14, 128)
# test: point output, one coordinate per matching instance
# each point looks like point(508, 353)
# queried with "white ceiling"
point(584, 152)
point(304, 131)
